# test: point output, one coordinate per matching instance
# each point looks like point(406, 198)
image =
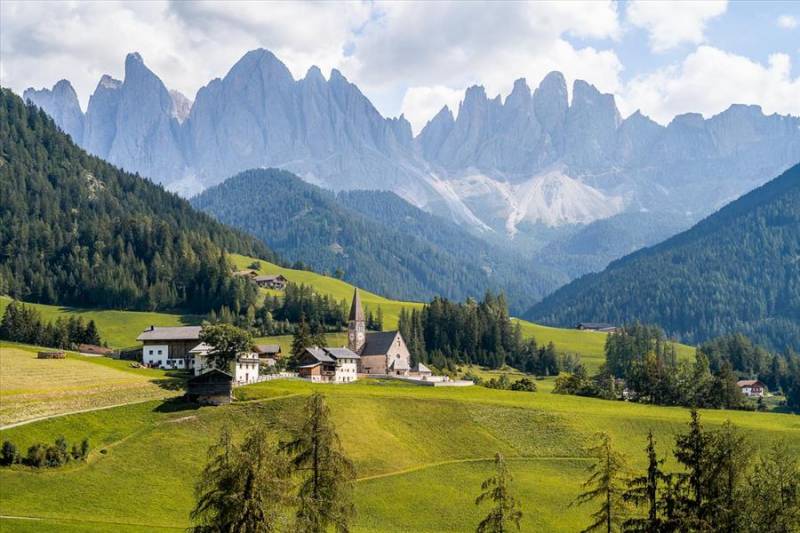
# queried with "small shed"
point(214, 387)
point(55, 354)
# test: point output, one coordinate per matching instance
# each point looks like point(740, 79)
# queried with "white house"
point(245, 368)
point(169, 347)
point(329, 365)
point(752, 388)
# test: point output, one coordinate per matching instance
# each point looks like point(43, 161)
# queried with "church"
point(380, 352)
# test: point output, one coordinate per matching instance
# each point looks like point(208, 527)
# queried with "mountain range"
point(737, 271)
point(528, 170)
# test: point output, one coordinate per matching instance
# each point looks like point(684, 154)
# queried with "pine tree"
point(692, 451)
point(773, 498)
point(643, 491)
point(243, 488)
point(301, 340)
point(606, 483)
point(506, 510)
point(327, 476)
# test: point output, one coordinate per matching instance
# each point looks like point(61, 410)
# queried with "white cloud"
point(420, 104)
point(709, 80)
point(673, 23)
point(456, 45)
point(787, 22)
point(186, 44)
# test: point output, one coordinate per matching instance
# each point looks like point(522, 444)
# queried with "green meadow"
point(420, 452)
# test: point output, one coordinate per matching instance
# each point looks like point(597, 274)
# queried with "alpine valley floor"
point(420, 452)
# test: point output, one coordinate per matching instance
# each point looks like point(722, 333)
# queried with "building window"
point(159, 352)
point(151, 352)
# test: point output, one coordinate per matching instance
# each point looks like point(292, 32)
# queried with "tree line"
point(641, 365)
point(42, 455)
point(75, 230)
point(444, 333)
point(24, 323)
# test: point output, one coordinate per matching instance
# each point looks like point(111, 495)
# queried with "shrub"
point(84, 449)
point(8, 454)
point(524, 384)
point(37, 455)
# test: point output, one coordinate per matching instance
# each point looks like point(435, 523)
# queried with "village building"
point(169, 347)
point(245, 367)
point(328, 365)
point(421, 370)
point(214, 387)
point(268, 354)
point(271, 281)
point(380, 352)
point(596, 326)
point(752, 388)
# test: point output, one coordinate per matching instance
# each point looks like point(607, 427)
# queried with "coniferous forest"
point(735, 272)
point(76, 230)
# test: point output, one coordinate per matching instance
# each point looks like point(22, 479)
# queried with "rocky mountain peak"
point(61, 103)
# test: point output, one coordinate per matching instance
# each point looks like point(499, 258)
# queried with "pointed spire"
point(356, 311)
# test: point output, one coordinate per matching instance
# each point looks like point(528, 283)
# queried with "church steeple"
point(356, 325)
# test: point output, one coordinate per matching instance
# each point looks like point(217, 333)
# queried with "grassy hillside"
point(118, 328)
point(34, 388)
point(440, 439)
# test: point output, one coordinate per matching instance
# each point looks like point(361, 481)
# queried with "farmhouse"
point(271, 281)
point(169, 347)
point(268, 354)
point(245, 368)
point(596, 326)
point(381, 352)
point(328, 365)
point(752, 388)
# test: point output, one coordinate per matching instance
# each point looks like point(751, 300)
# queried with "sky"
point(663, 58)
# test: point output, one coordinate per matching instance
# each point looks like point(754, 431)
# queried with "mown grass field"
point(420, 453)
point(32, 388)
point(118, 328)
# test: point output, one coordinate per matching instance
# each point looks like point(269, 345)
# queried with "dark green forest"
point(76, 230)
point(377, 240)
point(737, 271)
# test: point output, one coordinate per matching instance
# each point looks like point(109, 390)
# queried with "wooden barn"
point(214, 387)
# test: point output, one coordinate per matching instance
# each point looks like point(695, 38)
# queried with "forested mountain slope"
point(77, 230)
point(379, 241)
point(736, 271)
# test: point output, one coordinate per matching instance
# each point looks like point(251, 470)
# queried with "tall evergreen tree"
point(326, 474)
point(506, 512)
point(643, 491)
point(692, 450)
point(243, 489)
point(773, 496)
point(605, 483)
point(301, 340)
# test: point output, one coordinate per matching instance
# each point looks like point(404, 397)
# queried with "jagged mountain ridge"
point(514, 168)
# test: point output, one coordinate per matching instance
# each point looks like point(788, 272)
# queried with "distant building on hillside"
point(328, 365)
point(271, 281)
point(381, 352)
point(596, 326)
point(169, 347)
point(752, 388)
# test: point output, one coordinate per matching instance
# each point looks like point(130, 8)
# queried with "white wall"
point(346, 370)
point(155, 354)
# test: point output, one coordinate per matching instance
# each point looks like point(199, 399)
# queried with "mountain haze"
point(737, 271)
point(380, 241)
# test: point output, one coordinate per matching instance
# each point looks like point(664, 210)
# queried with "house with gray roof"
point(169, 347)
point(328, 365)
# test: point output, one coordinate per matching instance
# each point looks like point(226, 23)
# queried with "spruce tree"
point(505, 512)
point(327, 475)
point(605, 483)
point(773, 496)
point(301, 340)
point(243, 488)
point(693, 452)
point(643, 491)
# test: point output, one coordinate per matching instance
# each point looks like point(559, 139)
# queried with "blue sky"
point(664, 58)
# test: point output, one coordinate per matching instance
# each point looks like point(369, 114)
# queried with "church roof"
point(378, 342)
point(356, 311)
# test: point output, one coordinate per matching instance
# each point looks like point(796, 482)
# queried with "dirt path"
point(56, 415)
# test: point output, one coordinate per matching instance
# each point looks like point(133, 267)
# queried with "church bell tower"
point(356, 325)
